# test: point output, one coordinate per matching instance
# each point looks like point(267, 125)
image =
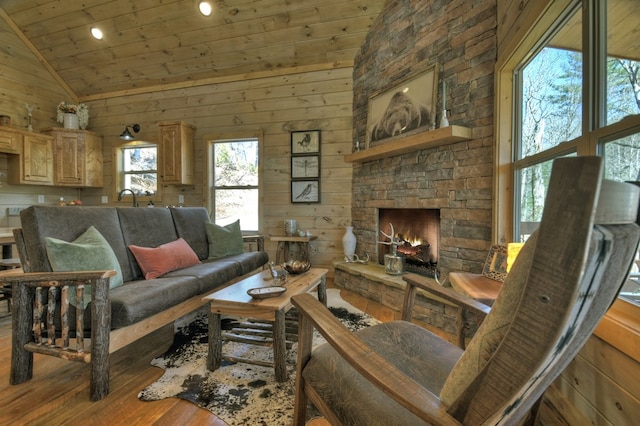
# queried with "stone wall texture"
point(409, 37)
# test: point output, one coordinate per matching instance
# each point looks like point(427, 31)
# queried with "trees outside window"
point(560, 112)
point(140, 169)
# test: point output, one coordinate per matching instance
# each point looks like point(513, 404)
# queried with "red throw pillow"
point(155, 262)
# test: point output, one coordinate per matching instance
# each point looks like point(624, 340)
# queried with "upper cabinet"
point(34, 165)
point(175, 153)
point(10, 141)
point(77, 158)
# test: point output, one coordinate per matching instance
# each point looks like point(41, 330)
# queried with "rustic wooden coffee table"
point(234, 300)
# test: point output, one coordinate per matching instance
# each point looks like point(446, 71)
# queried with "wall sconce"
point(126, 135)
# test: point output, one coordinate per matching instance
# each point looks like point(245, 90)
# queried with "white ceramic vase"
point(349, 243)
point(71, 121)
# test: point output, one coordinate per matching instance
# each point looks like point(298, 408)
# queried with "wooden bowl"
point(297, 266)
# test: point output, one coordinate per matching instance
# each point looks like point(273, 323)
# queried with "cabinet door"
point(170, 167)
point(176, 154)
point(93, 160)
point(10, 141)
point(37, 159)
point(69, 159)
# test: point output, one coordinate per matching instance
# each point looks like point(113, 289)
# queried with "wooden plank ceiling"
point(150, 44)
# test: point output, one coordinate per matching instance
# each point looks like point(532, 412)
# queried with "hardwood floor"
point(58, 393)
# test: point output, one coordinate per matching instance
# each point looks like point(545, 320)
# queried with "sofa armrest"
point(29, 316)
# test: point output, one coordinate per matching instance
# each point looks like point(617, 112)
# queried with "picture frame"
point(495, 266)
point(305, 166)
point(305, 191)
point(403, 108)
point(305, 142)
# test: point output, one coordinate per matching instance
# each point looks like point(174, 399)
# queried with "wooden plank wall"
point(601, 385)
point(272, 105)
point(23, 80)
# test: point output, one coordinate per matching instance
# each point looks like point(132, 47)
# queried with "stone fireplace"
point(430, 170)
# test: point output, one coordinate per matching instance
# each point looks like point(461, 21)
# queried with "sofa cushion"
point(89, 252)
point(145, 228)
point(138, 300)
point(190, 225)
point(67, 224)
point(224, 240)
point(157, 261)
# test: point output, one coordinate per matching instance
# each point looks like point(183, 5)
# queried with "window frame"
point(621, 325)
point(209, 175)
point(120, 173)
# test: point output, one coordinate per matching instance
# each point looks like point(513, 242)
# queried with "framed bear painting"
point(404, 108)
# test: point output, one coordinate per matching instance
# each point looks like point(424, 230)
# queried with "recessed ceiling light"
point(205, 8)
point(96, 33)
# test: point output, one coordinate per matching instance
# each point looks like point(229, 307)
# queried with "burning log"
point(419, 252)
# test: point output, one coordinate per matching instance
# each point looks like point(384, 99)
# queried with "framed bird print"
point(305, 167)
point(305, 142)
point(305, 191)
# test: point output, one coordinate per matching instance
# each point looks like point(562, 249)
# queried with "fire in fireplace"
point(418, 231)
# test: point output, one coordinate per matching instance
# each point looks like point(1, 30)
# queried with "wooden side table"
point(284, 243)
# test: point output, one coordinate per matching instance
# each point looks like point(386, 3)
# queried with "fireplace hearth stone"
point(371, 281)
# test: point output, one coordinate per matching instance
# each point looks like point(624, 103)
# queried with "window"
point(575, 92)
point(235, 189)
point(139, 168)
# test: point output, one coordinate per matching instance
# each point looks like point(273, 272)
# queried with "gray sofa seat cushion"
point(408, 347)
point(248, 261)
point(137, 300)
point(215, 273)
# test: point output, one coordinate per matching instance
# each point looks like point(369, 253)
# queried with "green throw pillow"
point(89, 252)
point(224, 240)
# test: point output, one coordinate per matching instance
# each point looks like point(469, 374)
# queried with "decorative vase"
point(349, 243)
point(71, 121)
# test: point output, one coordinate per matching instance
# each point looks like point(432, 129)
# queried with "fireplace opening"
point(418, 231)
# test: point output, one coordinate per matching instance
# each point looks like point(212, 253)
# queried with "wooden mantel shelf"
point(411, 143)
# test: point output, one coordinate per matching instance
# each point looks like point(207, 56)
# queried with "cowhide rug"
point(238, 393)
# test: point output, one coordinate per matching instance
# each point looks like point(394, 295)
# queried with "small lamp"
point(126, 135)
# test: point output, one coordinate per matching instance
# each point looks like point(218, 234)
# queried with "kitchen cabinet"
point(10, 140)
point(77, 158)
point(34, 165)
point(175, 153)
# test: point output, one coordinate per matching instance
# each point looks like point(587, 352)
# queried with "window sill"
point(620, 327)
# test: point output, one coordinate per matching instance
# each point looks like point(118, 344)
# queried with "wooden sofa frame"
point(28, 320)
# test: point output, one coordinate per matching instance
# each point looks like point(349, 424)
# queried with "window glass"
point(623, 55)
point(236, 178)
point(549, 100)
point(551, 96)
point(622, 158)
point(622, 163)
point(140, 169)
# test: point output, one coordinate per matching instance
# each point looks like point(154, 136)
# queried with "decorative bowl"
point(297, 266)
point(265, 292)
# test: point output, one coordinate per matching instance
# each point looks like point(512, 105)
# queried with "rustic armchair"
point(562, 283)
